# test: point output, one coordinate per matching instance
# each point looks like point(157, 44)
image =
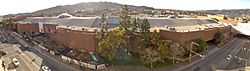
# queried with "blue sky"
point(21, 6)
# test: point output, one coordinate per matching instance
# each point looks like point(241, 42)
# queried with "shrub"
point(202, 44)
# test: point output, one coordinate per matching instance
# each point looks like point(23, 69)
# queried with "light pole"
point(191, 51)
point(242, 59)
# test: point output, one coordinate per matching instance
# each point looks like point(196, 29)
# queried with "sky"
point(22, 6)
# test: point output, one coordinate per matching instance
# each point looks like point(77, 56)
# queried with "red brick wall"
point(75, 39)
point(27, 28)
point(185, 37)
point(34, 27)
point(49, 27)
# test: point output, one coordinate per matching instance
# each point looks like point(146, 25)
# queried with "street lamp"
point(191, 51)
point(242, 59)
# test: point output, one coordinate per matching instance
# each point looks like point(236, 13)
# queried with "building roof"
point(232, 22)
point(176, 24)
point(71, 21)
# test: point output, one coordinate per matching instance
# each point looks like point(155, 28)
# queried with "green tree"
point(145, 34)
point(154, 38)
point(163, 48)
point(201, 45)
point(219, 37)
point(107, 47)
point(103, 28)
point(128, 24)
point(125, 19)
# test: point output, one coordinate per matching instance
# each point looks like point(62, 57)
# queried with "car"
point(15, 61)
point(229, 57)
point(46, 68)
point(244, 48)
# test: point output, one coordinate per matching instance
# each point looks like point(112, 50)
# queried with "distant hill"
point(231, 12)
point(89, 6)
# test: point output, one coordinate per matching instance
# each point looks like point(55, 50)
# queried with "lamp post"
point(242, 59)
point(190, 53)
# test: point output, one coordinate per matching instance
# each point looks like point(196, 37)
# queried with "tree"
point(163, 48)
point(8, 23)
point(134, 27)
point(107, 47)
point(145, 34)
point(218, 38)
point(150, 55)
point(128, 24)
point(103, 28)
point(125, 23)
point(125, 19)
point(154, 38)
point(201, 45)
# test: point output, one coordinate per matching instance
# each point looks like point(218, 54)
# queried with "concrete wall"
point(75, 39)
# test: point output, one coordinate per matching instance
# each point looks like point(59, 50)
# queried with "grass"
point(132, 60)
point(160, 64)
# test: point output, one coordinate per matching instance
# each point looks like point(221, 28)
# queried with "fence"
point(65, 58)
point(88, 65)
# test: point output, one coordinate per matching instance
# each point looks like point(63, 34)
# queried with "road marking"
point(233, 52)
point(26, 63)
point(32, 61)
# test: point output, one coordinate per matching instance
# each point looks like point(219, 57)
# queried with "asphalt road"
point(218, 59)
point(243, 53)
point(47, 60)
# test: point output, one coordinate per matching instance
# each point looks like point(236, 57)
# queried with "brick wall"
point(184, 38)
point(27, 28)
point(75, 39)
point(34, 27)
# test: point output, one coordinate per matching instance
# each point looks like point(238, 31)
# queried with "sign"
point(40, 26)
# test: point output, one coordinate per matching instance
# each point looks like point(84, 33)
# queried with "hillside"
point(90, 6)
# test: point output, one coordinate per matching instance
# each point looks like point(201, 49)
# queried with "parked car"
point(15, 61)
point(229, 57)
point(46, 68)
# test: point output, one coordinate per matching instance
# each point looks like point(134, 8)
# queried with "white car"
point(46, 68)
point(15, 61)
point(229, 57)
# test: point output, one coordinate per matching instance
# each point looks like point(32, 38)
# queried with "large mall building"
point(79, 32)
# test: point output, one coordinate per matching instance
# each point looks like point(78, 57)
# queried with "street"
point(35, 51)
point(218, 59)
point(31, 58)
